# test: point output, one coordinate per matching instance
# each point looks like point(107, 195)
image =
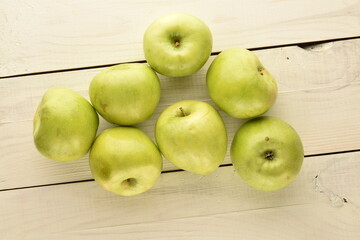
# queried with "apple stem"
point(177, 43)
point(183, 112)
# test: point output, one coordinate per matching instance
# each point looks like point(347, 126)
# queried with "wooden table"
point(311, 47)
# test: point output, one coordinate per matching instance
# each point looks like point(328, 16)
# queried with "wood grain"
point(318, 95)
point(39, 36)
point(187, 206)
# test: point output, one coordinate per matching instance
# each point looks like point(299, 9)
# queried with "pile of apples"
point(266, 152)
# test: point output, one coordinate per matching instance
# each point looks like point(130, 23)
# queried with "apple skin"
point(65, 125)
point(240, 85)
point(125, 94)
point(196, 142)
point(177, 44)
point(267, 153)
point(125, 161)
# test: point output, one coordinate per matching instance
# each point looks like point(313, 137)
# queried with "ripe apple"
point(240, 85)
point(192, 135)
point(267, 153)
point(177, 44)
point(65, 125)
point(125, 94)
point(124, 160)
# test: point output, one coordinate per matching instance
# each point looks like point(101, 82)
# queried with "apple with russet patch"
point(240, 85)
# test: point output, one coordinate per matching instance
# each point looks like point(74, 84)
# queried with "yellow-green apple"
point(267, 153)
point(192, 135)
point(125, 94)
point(65, 125)
point(125, 161)
point(240, 85)
point(177, 44)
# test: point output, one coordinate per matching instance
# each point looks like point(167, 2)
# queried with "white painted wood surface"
point(319, 94)
point(311, 92)
point(183, 205)
point(39, 36)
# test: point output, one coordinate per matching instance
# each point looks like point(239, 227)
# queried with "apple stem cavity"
point(269, 155)
point(176, 41)
point(129, 183)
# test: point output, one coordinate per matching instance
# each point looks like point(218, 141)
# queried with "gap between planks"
point(300, 44)
point(220, 201)
point(170, 171)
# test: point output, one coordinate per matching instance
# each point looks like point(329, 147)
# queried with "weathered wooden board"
point(319, 96)
point(39, 36)
point(187, 206)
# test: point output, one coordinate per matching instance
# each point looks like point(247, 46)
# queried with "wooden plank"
point(188, 206)
point(319, 96)
point(39, 36)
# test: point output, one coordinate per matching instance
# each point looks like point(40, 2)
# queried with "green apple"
point(267, 153)
point(125, 161)
point(177, 44)
point(125, 94)
point(192, 135)
point(240, 85)
point(65, 125)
